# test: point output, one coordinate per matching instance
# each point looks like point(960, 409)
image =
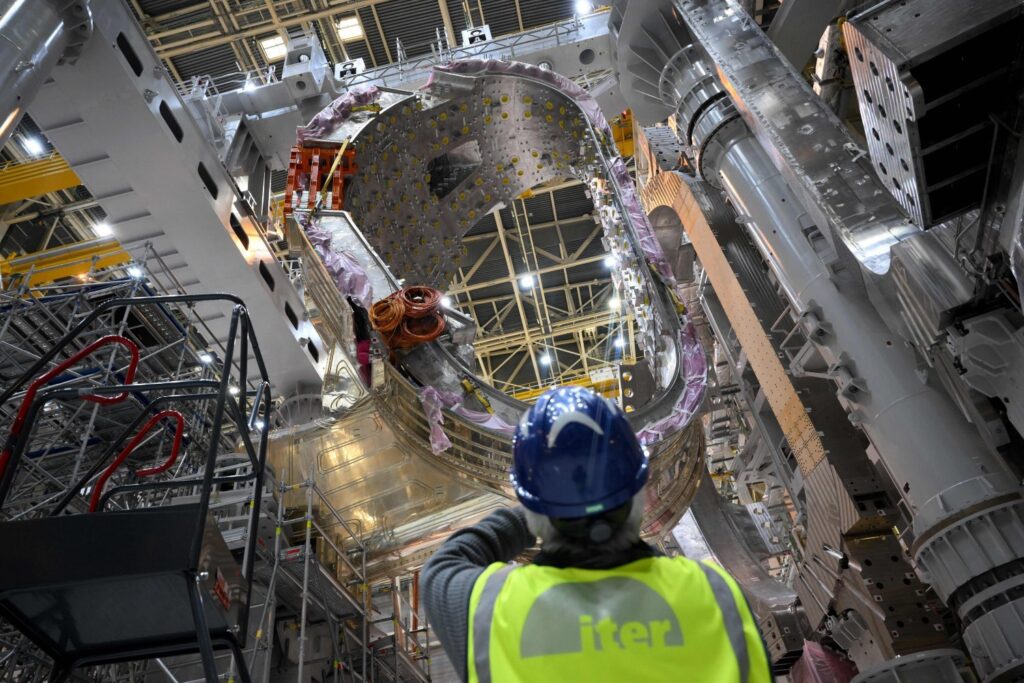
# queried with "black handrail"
point(199, 390)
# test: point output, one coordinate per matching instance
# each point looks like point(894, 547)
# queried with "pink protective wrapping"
point(434, 400)
point(649, 243)
point(347, 274)
point(337, 112)
point(818, 665)
point(694, 370)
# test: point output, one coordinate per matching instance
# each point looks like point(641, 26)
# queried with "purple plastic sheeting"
point(818, 665)
point(482, 419)
point(434, 400)
point(346, 273)
point(337, 112)
point(693, 368)
point(649, 243)
point(348, 276)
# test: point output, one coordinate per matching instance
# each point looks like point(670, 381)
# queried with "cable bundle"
point(409, 317)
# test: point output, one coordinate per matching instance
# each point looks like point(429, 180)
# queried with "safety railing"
point(230, 406)
point(479, 452)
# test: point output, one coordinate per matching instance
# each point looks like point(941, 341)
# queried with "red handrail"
point(19, 420)
point(97, 490)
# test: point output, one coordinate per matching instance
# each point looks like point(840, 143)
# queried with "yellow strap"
point(330, 174)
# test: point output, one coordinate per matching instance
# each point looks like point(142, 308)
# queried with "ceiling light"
point(446, 302)
point(584, 7)
point(249, 86)
point(33, 145)
point(233, 391)
point(274, 48)
point(134, 271)
point(619, 342)
point(103, 229)
point(205, 357)
point(526, 281)
point(614, 303)
point(545, 359)
point(349, 29)
point(610, 261)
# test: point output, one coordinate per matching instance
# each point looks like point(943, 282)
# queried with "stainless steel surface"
point(888, 394)
point(35, 36)
point(926, 88)
point(375, 480)
point(733, 550)
point(805, 139)
point(805, 200)
point(431, 165)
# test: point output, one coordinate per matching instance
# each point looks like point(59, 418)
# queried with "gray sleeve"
point(447, 579)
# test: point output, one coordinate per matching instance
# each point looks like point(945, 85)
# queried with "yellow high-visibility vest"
point(654, 619)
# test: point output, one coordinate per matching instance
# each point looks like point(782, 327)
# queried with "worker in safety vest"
point(597, 603)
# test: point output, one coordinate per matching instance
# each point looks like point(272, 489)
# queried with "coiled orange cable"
point(386, 315)
point(420, 302)
point(409, 317)
point(414, 331)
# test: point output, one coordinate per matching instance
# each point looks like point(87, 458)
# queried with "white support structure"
point(118, 120)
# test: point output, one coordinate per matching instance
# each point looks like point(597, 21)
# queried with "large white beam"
point(117, 119)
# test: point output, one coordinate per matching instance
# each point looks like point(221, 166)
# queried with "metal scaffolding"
point(121, 337)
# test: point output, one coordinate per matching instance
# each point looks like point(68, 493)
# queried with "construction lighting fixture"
point(526, 281)
point(619, 342)
point(134, 271)
point(233, 391)
point(33, 145)
point(545, 359)
point(446, 302)
point(249, 86)
point(349, 29)
point(615, 303)
point(103, 229)
point(610, 261)
point(273, 48)
point(205, 358)
point(259, 424)
point(584, 7)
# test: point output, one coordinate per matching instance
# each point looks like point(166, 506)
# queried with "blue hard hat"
point(574, 454)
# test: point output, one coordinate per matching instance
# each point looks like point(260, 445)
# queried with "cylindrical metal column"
point(968, 509)
point(35, 35)
point(923, 440)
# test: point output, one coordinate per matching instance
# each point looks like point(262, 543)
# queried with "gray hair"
point(624, 536)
